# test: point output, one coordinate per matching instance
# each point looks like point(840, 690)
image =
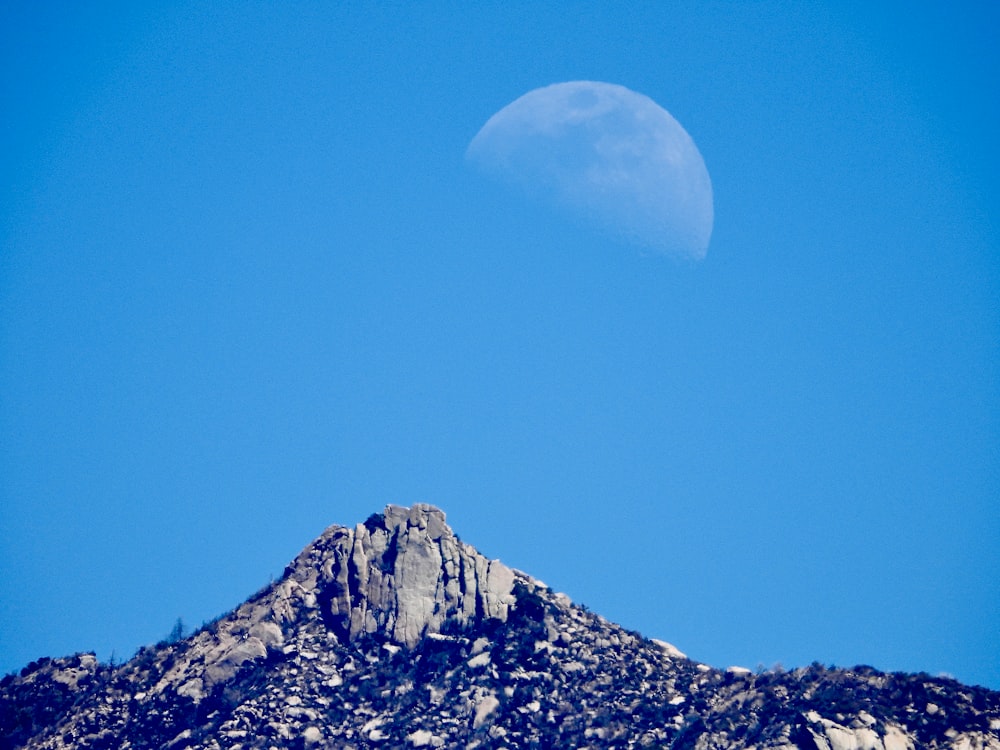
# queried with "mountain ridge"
point(395, 633)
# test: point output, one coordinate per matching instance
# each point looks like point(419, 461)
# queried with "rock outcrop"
point(403, 575)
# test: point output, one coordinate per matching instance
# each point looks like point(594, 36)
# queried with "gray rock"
point(403, 575)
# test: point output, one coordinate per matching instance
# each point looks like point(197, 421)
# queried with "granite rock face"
point(402, 574)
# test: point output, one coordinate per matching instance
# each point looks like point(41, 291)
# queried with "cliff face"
point(402, 575)
point(394, 633)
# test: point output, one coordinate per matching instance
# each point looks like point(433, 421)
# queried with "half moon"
point(609, 154)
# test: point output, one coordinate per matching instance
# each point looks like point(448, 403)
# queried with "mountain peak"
point(395, 633)
point(399, 576)
point(402, 575)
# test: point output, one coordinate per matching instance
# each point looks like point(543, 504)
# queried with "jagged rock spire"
point(401, 574)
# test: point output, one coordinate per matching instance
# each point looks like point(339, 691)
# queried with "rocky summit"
point(396, 634)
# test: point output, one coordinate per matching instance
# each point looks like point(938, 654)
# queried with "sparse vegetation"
point(549, 675)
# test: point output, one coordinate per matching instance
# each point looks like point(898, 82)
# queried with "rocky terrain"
point(396, 634)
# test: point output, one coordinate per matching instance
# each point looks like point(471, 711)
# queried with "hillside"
point(397, 634)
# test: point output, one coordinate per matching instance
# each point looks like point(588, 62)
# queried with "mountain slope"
point(397, 634)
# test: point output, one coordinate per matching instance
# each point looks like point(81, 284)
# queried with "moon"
point(608, 154)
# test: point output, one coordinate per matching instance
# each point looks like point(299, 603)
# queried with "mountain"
point(397, 634)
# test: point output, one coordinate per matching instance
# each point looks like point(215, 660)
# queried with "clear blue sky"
point(250, 288)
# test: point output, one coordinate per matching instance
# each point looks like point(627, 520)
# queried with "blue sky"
point(249, 288)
